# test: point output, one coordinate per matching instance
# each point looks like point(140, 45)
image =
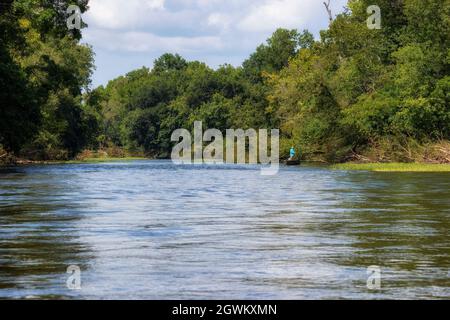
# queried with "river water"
point(153, 230)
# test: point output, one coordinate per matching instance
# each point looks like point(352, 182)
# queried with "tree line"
point(44, 71)
point(353, 94)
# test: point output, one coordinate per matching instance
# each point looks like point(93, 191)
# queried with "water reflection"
point(38, 240)
point(151, 230)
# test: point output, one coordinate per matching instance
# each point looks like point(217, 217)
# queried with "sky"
point(127, 35)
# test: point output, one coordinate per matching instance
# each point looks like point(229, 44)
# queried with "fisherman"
point(292, 153)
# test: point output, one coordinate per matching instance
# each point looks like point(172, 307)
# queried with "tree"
point(273, 56)
point(19, 110)
point(168, 62)
point(44, 70)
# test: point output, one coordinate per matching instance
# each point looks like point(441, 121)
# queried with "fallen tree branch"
point(3, 155)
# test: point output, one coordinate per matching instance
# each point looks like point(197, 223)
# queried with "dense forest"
point(353, 94)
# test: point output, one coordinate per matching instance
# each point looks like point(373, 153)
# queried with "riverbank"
point(22, 162)
point(112, 154)
point(392, 167)
point(376, 167)
point(101, 160)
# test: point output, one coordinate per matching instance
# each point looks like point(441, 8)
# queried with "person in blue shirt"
point(292, 153)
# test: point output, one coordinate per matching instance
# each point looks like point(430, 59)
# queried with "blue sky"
point(130, 34)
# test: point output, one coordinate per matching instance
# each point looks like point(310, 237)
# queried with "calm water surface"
point(151, 230)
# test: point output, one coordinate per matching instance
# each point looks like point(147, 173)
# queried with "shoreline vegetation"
point(25, 162)
point(87, 156)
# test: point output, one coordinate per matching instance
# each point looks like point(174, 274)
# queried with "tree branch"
point(330, 14)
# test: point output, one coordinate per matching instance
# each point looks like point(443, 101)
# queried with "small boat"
point(292, 162)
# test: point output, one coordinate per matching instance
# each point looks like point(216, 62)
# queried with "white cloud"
point(116, 14)
point(220, 20)
point(215, 31)
point(276, 13)
point(135, 41)
point(269, 15)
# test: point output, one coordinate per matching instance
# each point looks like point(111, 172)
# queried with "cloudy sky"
point(130, 34)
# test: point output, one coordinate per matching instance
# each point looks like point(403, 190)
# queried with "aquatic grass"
point(393, 167)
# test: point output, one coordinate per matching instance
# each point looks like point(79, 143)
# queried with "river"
point(153, 230)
